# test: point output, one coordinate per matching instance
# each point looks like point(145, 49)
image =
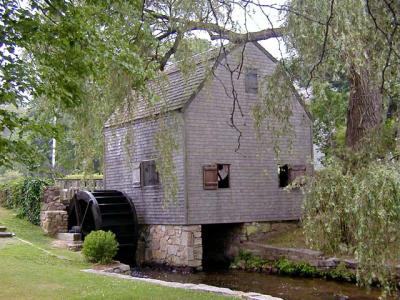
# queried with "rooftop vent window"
point(251, 81)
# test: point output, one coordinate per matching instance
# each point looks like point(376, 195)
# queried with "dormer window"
point(251, 81)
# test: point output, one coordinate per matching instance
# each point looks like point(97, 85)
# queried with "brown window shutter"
point(296, 171)
point(210, 177)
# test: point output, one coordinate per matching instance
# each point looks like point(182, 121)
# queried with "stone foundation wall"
point(256, 231)
point(172, 245)
point(53, 215)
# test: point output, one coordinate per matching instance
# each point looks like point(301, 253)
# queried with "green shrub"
point(11, 193)
point(24, 195)
point(100, 246)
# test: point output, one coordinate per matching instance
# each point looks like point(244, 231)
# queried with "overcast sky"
point(256, 20)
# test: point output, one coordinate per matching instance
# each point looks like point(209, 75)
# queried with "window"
point(251, 81)
point(216, 176)
point(283, 173)
point(223, 176)
point(288, 173)
point(136, 174)
point(148, 173)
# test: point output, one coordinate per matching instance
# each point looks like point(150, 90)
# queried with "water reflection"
point(279, 286)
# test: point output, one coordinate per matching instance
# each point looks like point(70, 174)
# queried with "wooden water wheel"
point(107, 210)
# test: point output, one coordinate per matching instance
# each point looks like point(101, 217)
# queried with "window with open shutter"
point(149, 175)
point(288, 173)
point(210, 177)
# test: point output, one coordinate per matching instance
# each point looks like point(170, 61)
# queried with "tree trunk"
point(365, 108)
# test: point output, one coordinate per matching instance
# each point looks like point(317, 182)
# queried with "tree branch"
point(321, 58)
point(171, 51)
point(215, 31)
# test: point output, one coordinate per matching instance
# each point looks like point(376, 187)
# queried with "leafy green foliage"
point(100, 246)
point(342, 273)
point(328, 107)
point(12, 193)
point(330, 44)
point(25, 195)
point(248, 261)
point(288, 267)
point(76, 61)
point(352, 39)
point(357, 213)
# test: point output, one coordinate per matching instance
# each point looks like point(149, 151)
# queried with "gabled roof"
point(176, 88)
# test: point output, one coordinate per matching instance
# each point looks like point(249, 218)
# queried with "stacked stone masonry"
point(53, 215)
point(172, 245)
point(54, 221)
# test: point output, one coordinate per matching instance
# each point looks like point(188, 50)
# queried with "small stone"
point(198, 242)
point(351, 263)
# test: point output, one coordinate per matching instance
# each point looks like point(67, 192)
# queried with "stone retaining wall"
point(53, 222)
point(53, 215)
point(86, 184)
point(172, 245)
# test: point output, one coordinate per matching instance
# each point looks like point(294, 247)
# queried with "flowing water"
point(284, 287)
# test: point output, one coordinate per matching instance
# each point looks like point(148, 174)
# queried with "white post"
point(53, 153)
point(53, 149)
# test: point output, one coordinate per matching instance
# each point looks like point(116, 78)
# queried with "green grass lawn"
point(27, 272)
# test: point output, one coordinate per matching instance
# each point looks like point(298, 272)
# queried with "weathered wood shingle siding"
point(138, 138)
point(254, 194)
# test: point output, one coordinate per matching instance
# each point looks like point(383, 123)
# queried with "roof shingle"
point(172, 89)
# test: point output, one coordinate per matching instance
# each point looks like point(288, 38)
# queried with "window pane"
point(149, 173)
point(223, 176)
point(251, 81)
point(283, 173)
point(136, 174)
